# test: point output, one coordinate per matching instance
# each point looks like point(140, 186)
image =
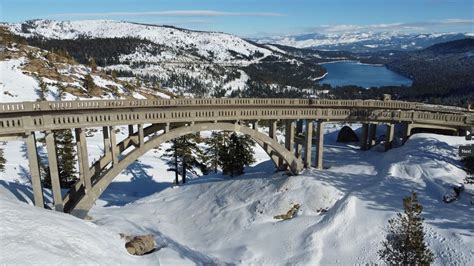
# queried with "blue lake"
point(353, 73)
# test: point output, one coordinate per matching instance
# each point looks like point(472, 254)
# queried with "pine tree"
point(404, 243)
point(236, 153)
point(66, 156)
point(66, 159)
point(43, 90)
point(215, 143)
point(89, 84)
point(92, 64)
point(182, 156)
point(469, 167)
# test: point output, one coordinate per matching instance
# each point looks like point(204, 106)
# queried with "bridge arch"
point(87, 200)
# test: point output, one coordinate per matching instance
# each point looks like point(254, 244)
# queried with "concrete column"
point(372, 135)
point(130, 130)
point(363, 137)
point(83, 159)
point(255, 125)
point(406, 132)
point(141, 136)
point(113, 145)
point(272, 133)
point(308, 143)
point(389, 135)
point(106, 135)
point(54, 171)
point(320, 144)
point(290, 136)
point(167, 128)
point(34, 169)
point(299, 127)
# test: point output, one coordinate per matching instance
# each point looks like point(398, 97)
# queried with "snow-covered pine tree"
point(404, 243)
point(89, 84)
point(236, 153)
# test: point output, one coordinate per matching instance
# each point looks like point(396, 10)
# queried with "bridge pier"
point(389, 136)
point(299, 133)
point(54, 171)
point(308, 143)
point(106, 136)
point(141, 135)
point(290, 135)
point(320, 145)
point(272, 133)
point(113, 145)
point(83, 159)
point(34, 169)
point(372, 135)
point(364, 136)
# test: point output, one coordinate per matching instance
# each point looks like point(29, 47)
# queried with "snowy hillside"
point(28, 74)
point(191, 63)
point(219, 45)
point(364, 41)
point(215, 219)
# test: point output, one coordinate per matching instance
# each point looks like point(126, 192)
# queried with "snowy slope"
point(181, 61)
point(220, 45)
point(214, 219)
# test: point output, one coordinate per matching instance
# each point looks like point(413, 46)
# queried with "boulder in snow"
point(346, 134)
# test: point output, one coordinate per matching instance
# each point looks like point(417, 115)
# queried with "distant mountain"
point(183, 61)
point(364, 41)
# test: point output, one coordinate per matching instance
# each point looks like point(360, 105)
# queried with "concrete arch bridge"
point(153, 122)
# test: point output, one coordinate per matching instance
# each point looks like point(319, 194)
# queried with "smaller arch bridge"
point(153, 122)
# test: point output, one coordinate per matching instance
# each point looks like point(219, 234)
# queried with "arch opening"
point(86, 200)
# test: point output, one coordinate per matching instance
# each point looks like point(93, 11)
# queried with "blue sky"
point(252, 18)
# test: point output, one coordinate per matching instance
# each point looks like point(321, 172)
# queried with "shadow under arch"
point(86, 201)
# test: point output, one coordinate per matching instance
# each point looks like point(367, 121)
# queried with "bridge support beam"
point(308, 143)
point(363, 137)
point(34, 169)
point(290, 136)
point(320, 145)
point(406, 132)
point(272, 130)
point(106, 135)
point(299, 132)
point(372, 135)
point(83, 159)
point(389, 135)
point(54, 171)
point(113, 145)
point(141, 135)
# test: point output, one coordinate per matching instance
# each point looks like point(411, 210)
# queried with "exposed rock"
point(290, 214)
point(139, 245)
point(346, 134)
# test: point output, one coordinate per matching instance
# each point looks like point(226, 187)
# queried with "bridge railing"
point(60, 120)
point(157, 103)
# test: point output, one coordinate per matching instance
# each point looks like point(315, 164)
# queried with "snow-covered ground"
point(216, 219)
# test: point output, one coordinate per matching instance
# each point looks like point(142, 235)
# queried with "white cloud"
point(174, 13)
